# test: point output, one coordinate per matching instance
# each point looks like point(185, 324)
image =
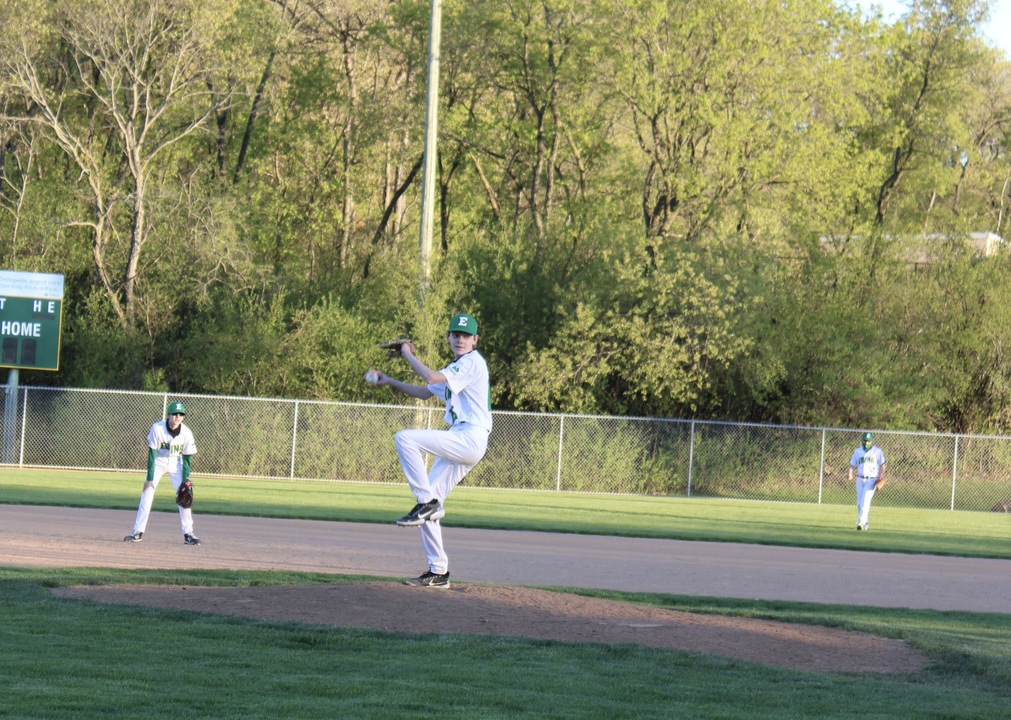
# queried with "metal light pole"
point(431, 135)
point(8, 443)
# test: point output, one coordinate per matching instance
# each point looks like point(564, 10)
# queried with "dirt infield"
point(494, 574)
point(36, 536)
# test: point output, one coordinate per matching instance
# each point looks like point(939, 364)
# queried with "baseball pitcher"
point(464, 387)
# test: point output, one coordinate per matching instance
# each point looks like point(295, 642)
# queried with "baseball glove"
point(184, 495)
point(392, 347)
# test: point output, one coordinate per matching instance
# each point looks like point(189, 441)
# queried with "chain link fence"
point(314, 440)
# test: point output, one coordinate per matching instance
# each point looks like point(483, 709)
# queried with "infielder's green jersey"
point(168, 449)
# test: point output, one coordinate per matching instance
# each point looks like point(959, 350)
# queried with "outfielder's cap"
point(463, 324)
point(176, 408)
point(867, 437)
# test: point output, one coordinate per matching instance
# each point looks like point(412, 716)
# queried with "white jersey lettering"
point(171, 449)
point(868, 463)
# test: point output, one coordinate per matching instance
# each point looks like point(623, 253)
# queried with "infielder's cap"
point(867, 437)
point(463, 324)
point(176, 408)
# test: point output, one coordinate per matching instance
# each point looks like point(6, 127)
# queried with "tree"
point(328, 172)
point(526, 119)
point(973, 186)
point(115, 84)
point(18, 154)
point(963, 312)
point(721, 97)
point(927, 60)
point(647, 344)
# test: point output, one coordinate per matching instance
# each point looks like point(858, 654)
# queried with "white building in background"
point(987, 243)
point(924, 249)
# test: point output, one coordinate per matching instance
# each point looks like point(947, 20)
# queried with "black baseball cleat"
point(134, 537)
point(430, 579)
point(411, 517)
point(422, 513)
point(191, 539)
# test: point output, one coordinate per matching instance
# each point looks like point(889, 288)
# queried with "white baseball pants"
point(865, 492)
point(147, 499)
point(456, 450)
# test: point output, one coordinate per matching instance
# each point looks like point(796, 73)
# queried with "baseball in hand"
point(372, 377)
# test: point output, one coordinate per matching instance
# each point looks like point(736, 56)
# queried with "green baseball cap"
point(463, 324)
point(867, 437)
point(176, 408)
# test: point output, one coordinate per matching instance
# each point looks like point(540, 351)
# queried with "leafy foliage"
point(648, 341)
point(735, 209)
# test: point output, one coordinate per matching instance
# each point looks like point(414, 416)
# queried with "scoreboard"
point(31, 311)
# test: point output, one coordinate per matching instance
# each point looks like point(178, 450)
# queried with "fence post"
point(294, 438)
point(24, 425)
point(954, 473)
point(691, 458)
point(10, 416)
point(821, 468)
point(558, 467)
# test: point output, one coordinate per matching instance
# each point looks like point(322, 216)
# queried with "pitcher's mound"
point(526, 612)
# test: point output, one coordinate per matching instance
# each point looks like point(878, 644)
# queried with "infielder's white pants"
point(456, 451)
point(147, 499)
point(865, 492)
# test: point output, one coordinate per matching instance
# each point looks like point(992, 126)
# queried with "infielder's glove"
point(392, 347)
point(184, 495)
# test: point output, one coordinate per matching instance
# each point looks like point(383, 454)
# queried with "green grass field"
point(71, 658)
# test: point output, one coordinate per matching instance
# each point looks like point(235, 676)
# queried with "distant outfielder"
point(170, 446)
point(868, 463)
point(464, 386)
